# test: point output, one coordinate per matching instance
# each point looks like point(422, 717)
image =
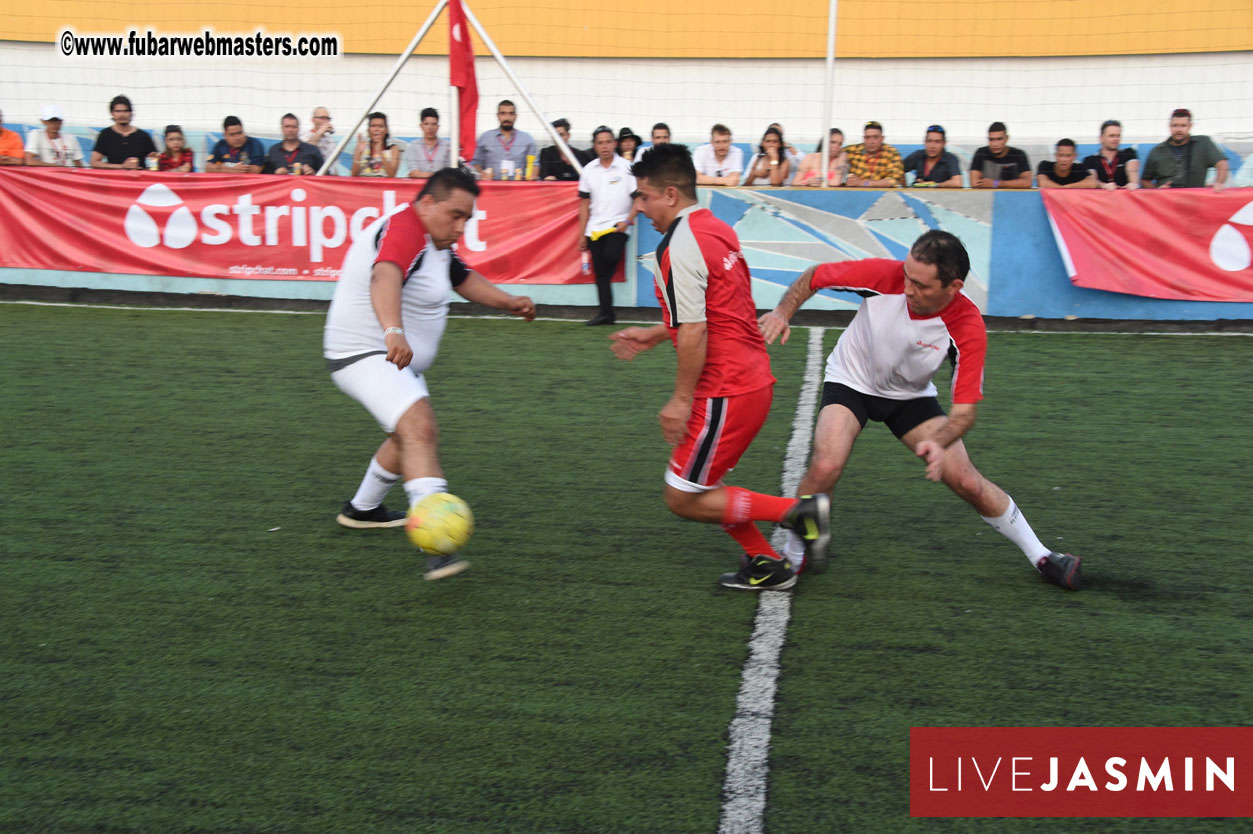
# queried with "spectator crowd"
point(1182, 160)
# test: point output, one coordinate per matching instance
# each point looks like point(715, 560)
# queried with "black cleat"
point(811, 520)
point(380, 516)
point(761, 573)
point(1061, 569)
point(440, 567)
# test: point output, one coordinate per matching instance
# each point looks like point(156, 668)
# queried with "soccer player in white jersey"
point(913, 319)
point(383, 330)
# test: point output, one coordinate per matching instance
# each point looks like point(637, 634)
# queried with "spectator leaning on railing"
point(770, 165)
point(554, 164)
point(291, 156)
point(236, 152)
point(810, 170)
point(505, 150)
point(122, 145)
point(430, 153)
point(1113, 166)
point(376, 155)
point(873, 163)
point(177, 157)
point(933, 166)
point(10, 146)
point(718, 162)
point(322, 135)
point(1065, 172)
point(1183, 160)
point(48, 148)
point(997, 165)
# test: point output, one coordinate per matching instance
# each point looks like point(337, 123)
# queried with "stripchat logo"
point(1229, 249)
point(160, 217)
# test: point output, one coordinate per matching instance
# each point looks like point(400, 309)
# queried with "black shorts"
point(898, 415)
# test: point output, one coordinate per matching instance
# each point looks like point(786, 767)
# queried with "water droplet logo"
point(1229, 249)
point(141, 228)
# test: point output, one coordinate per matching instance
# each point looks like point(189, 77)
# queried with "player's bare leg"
point(417, 441)
point(834, 436)
point(995, 506)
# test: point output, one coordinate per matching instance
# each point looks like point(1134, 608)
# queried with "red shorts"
point(718, 432)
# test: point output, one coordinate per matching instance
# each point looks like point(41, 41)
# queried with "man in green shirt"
point(1183, 159)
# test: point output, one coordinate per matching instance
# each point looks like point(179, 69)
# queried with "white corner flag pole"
point(400, 62)
point(504, 65)
point(828, 95)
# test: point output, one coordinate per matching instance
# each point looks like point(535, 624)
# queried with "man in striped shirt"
point(723, 385)
point(913, 319)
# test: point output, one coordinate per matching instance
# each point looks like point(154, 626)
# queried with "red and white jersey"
point(429, 274)
point(888, 351)
point(701, 276)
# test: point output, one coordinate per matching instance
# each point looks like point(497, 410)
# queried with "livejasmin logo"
point(1022, 773)
point(292, 224)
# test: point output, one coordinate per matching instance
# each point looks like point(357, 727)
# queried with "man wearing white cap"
point(49, 148)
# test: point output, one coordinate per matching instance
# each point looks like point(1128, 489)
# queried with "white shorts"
point(386, 391)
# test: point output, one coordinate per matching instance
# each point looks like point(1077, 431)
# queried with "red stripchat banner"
point(1081, 771)
point(1185, 244)
point(263, 226)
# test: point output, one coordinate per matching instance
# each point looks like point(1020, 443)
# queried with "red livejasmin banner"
point(1081, 771)
point(262, 226)
point(1187, 244)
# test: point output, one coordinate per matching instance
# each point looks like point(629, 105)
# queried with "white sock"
point(1013, 526)
point(794, 549)
point(374, 486)
point(419, 488)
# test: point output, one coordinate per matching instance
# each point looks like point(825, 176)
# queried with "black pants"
point(606, 255)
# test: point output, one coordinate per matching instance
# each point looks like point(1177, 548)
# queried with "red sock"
point(743, 505)
point(750, 538)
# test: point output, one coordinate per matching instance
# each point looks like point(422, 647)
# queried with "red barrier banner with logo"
point(263, 226)
point(1081, 771)
point(1189, 244)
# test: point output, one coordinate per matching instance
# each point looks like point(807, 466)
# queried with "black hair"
point(776, 132)
point(833, 132)
point(659, 126)
point(445, 181)
point(997, 126)
point(562, 123)
point(231, 121)
point(720, 129)
point(287, 116)
point(604, 129)
point(387, 133)
point(171, 129)
point(508, 102)
point(1110, 123)
point(1065, 143)
point(668, 165)
point(944, 251)
point(119, 100)
point(429, 111)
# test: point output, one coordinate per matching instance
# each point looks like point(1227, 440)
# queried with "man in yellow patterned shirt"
point(874, 163)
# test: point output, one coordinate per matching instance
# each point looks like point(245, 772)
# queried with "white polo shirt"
point(707, 163)
point(610, 190)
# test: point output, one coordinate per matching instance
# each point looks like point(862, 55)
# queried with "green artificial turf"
point(191, 644)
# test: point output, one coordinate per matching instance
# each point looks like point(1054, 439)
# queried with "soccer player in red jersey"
point(913, 319)
point(723, 384)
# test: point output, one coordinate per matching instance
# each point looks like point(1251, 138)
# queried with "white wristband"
point(397, 330)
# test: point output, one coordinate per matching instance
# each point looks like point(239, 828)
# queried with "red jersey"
point(888, 351)
point(701, 276)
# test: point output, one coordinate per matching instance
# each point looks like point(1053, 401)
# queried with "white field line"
point(748, 754)
point(503, 316)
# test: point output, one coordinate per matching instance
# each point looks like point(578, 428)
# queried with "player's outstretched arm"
point(960, 419)
point(774, 325)
point(631, 341)
point(478, 289)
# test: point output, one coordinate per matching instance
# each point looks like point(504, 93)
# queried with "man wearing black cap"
point(1183, 160)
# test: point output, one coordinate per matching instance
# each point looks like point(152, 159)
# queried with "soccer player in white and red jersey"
point(383, 330)
point(723, 385)
point(913, 319)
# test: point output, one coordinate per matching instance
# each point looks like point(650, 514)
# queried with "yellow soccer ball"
point(440, 523)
